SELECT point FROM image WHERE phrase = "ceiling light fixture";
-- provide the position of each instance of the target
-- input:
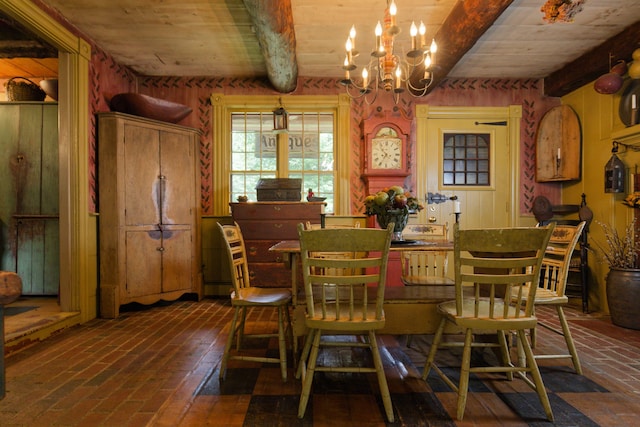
(386, 70)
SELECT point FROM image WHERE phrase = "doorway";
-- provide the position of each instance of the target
(77, 226)
(487, 192)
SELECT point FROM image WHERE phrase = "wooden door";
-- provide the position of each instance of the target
(141, 175)
(177, 271)
(482, 204)
(176, 166)
(143, 260)
(29, 194)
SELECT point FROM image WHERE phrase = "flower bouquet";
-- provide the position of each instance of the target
(392, 205)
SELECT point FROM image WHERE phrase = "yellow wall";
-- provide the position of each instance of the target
(601, 125)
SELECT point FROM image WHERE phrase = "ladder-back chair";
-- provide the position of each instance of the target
(344, 296)
(245, 296)
(553, 284)
(492, 267)
(420, 268)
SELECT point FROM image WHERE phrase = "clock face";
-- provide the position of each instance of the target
(386, 153)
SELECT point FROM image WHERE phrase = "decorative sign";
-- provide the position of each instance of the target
(307, 143)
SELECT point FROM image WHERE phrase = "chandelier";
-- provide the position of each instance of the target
(386, 70)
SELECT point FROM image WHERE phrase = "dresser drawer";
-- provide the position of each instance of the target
(305, 211)
(258, 251)
(269, 275)
(275, 229)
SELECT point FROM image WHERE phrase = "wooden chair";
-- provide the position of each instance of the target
(346, 303)
(423, 268)
(491, 268)
(552, 286)
(245, 296)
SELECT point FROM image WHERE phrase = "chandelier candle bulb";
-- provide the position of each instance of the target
(365, 78)
(423, 30)
(456, 206)
(352, 37)
(393, 10)
(433, 49)
(414, 32)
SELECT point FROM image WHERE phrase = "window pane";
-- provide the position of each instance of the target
(464, 155)
(309, 150)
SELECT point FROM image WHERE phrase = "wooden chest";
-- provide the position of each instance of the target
(279, 189)
(264, 224)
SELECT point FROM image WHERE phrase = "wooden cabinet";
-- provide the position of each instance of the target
(264, 224)
(149, 211)
(29, 226)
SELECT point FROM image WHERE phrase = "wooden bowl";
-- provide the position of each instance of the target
(50, 87)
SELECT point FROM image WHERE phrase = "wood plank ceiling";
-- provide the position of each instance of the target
(283, 39)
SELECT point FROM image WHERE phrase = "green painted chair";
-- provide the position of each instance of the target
(245, 296)
(552, 287)
(344, 297)
(492, 269)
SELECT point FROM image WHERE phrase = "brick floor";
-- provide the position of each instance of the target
(158, 367)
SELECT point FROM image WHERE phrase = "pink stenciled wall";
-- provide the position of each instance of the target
(107, 78)
(195, 92)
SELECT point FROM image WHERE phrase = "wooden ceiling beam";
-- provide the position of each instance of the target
(594, 63)
(466, 23)
(273, 23)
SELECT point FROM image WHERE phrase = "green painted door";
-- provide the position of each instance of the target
(29, 193)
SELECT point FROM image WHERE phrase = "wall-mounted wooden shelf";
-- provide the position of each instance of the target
(558, 146)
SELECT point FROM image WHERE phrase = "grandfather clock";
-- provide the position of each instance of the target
(385, 141)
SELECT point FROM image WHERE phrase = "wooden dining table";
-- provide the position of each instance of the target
(408, 309)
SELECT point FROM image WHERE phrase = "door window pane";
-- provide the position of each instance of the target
(466, 159)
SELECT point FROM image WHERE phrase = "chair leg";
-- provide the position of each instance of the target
(282, 342)
(292, 339)
(382, 379)
(504, 351)
(569, 340)
(308, 380)
(535, 374)
(228, 344)
(434, 349)
(463, 386)
(302, 363)
(240, 335)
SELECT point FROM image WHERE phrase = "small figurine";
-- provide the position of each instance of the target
(310, 195)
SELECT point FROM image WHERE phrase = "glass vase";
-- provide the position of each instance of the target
(399, 217)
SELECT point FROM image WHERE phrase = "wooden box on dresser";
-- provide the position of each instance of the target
(264, 224)
(149, 223)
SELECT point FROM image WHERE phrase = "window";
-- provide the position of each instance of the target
(309, 148)
(245, 147)
(466, 159)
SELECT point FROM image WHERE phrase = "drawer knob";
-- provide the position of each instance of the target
(277, 225)
(253, 250)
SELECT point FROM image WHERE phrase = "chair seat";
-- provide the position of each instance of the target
(547, 297)
(330, 323)
(482, 321)
(426, 281)
(261, 296)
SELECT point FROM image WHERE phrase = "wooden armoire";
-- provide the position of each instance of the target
(149, 204)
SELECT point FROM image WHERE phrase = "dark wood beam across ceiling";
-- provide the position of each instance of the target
(273, 23)
(467, 22)
(594, 63)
